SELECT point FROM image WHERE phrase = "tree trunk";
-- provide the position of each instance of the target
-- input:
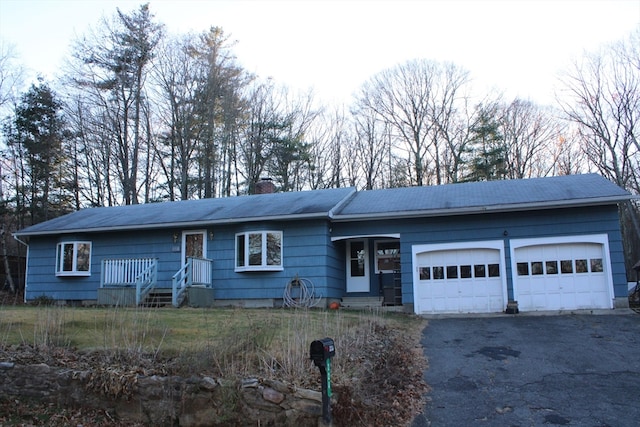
(7, 266)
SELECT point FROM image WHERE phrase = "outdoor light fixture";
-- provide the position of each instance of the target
(175, 237)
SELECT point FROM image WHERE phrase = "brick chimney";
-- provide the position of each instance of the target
(265, 186)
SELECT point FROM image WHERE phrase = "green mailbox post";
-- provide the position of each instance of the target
(321, 352)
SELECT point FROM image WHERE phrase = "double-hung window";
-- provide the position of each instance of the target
(73, 259)
(259, 250)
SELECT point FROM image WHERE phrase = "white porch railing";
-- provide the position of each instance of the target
(124, 272)
(196, 272)
(139, 272)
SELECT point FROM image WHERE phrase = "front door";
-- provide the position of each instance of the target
(194, 244)
(357, 266)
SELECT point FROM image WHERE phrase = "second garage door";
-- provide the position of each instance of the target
(459, 280)
(562, 275)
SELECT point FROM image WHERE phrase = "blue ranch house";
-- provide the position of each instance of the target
(542, 244)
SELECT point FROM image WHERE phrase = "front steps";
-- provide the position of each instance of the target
(361, 302)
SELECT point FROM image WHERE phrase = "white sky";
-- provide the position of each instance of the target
(516, 46)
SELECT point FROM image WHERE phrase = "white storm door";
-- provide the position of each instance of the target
(357, 266)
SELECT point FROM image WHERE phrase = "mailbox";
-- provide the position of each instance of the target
(322, 350)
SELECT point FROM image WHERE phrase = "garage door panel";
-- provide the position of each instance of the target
(450, 282)
(571, 276)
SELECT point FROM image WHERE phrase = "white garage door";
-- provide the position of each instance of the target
(562, 276)
(466, 280)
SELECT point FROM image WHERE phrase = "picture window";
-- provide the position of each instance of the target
(260, 250)
(73, 259)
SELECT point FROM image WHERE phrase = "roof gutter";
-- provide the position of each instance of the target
(484, 209)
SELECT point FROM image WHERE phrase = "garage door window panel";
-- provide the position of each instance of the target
(596, 265)
(438, 273)
(523, 269)
(465, 271)
(566, 266)
(479, 270)
(551, 267)
(536, 268)
(425, 273)
(494, 270)
(452, 272)
(581, 266)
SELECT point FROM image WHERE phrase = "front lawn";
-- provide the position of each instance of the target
(378, 363)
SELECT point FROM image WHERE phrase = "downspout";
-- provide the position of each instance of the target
(16, 238)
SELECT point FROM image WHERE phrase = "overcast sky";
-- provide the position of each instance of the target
(333, 46)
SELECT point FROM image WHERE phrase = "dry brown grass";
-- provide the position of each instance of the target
(377, 371)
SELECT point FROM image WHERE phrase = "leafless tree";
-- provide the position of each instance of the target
(602, 97)
(11, 74)
(371, 149)
(112, 65)
(530, 133)
(419, 100)
(327, 138)
(176, 84)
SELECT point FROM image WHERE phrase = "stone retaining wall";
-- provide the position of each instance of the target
(166, 401)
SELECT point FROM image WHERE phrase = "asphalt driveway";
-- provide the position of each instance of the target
(575, 370)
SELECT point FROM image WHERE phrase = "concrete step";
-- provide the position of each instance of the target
(361, 302)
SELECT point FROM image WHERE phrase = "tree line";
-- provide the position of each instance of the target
(144, 116)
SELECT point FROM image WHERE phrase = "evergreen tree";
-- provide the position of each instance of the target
(36, 134)
(487, 149)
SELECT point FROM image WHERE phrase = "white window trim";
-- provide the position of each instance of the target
(263, 265)
(60, 259)
(377, 256)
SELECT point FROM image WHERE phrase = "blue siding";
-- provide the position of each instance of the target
(309, 253)
(41, 278)
(306, 249)
(546, 223)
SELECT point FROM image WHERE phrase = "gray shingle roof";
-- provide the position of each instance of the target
(346, 204)
(475, 197)
(301, 204)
